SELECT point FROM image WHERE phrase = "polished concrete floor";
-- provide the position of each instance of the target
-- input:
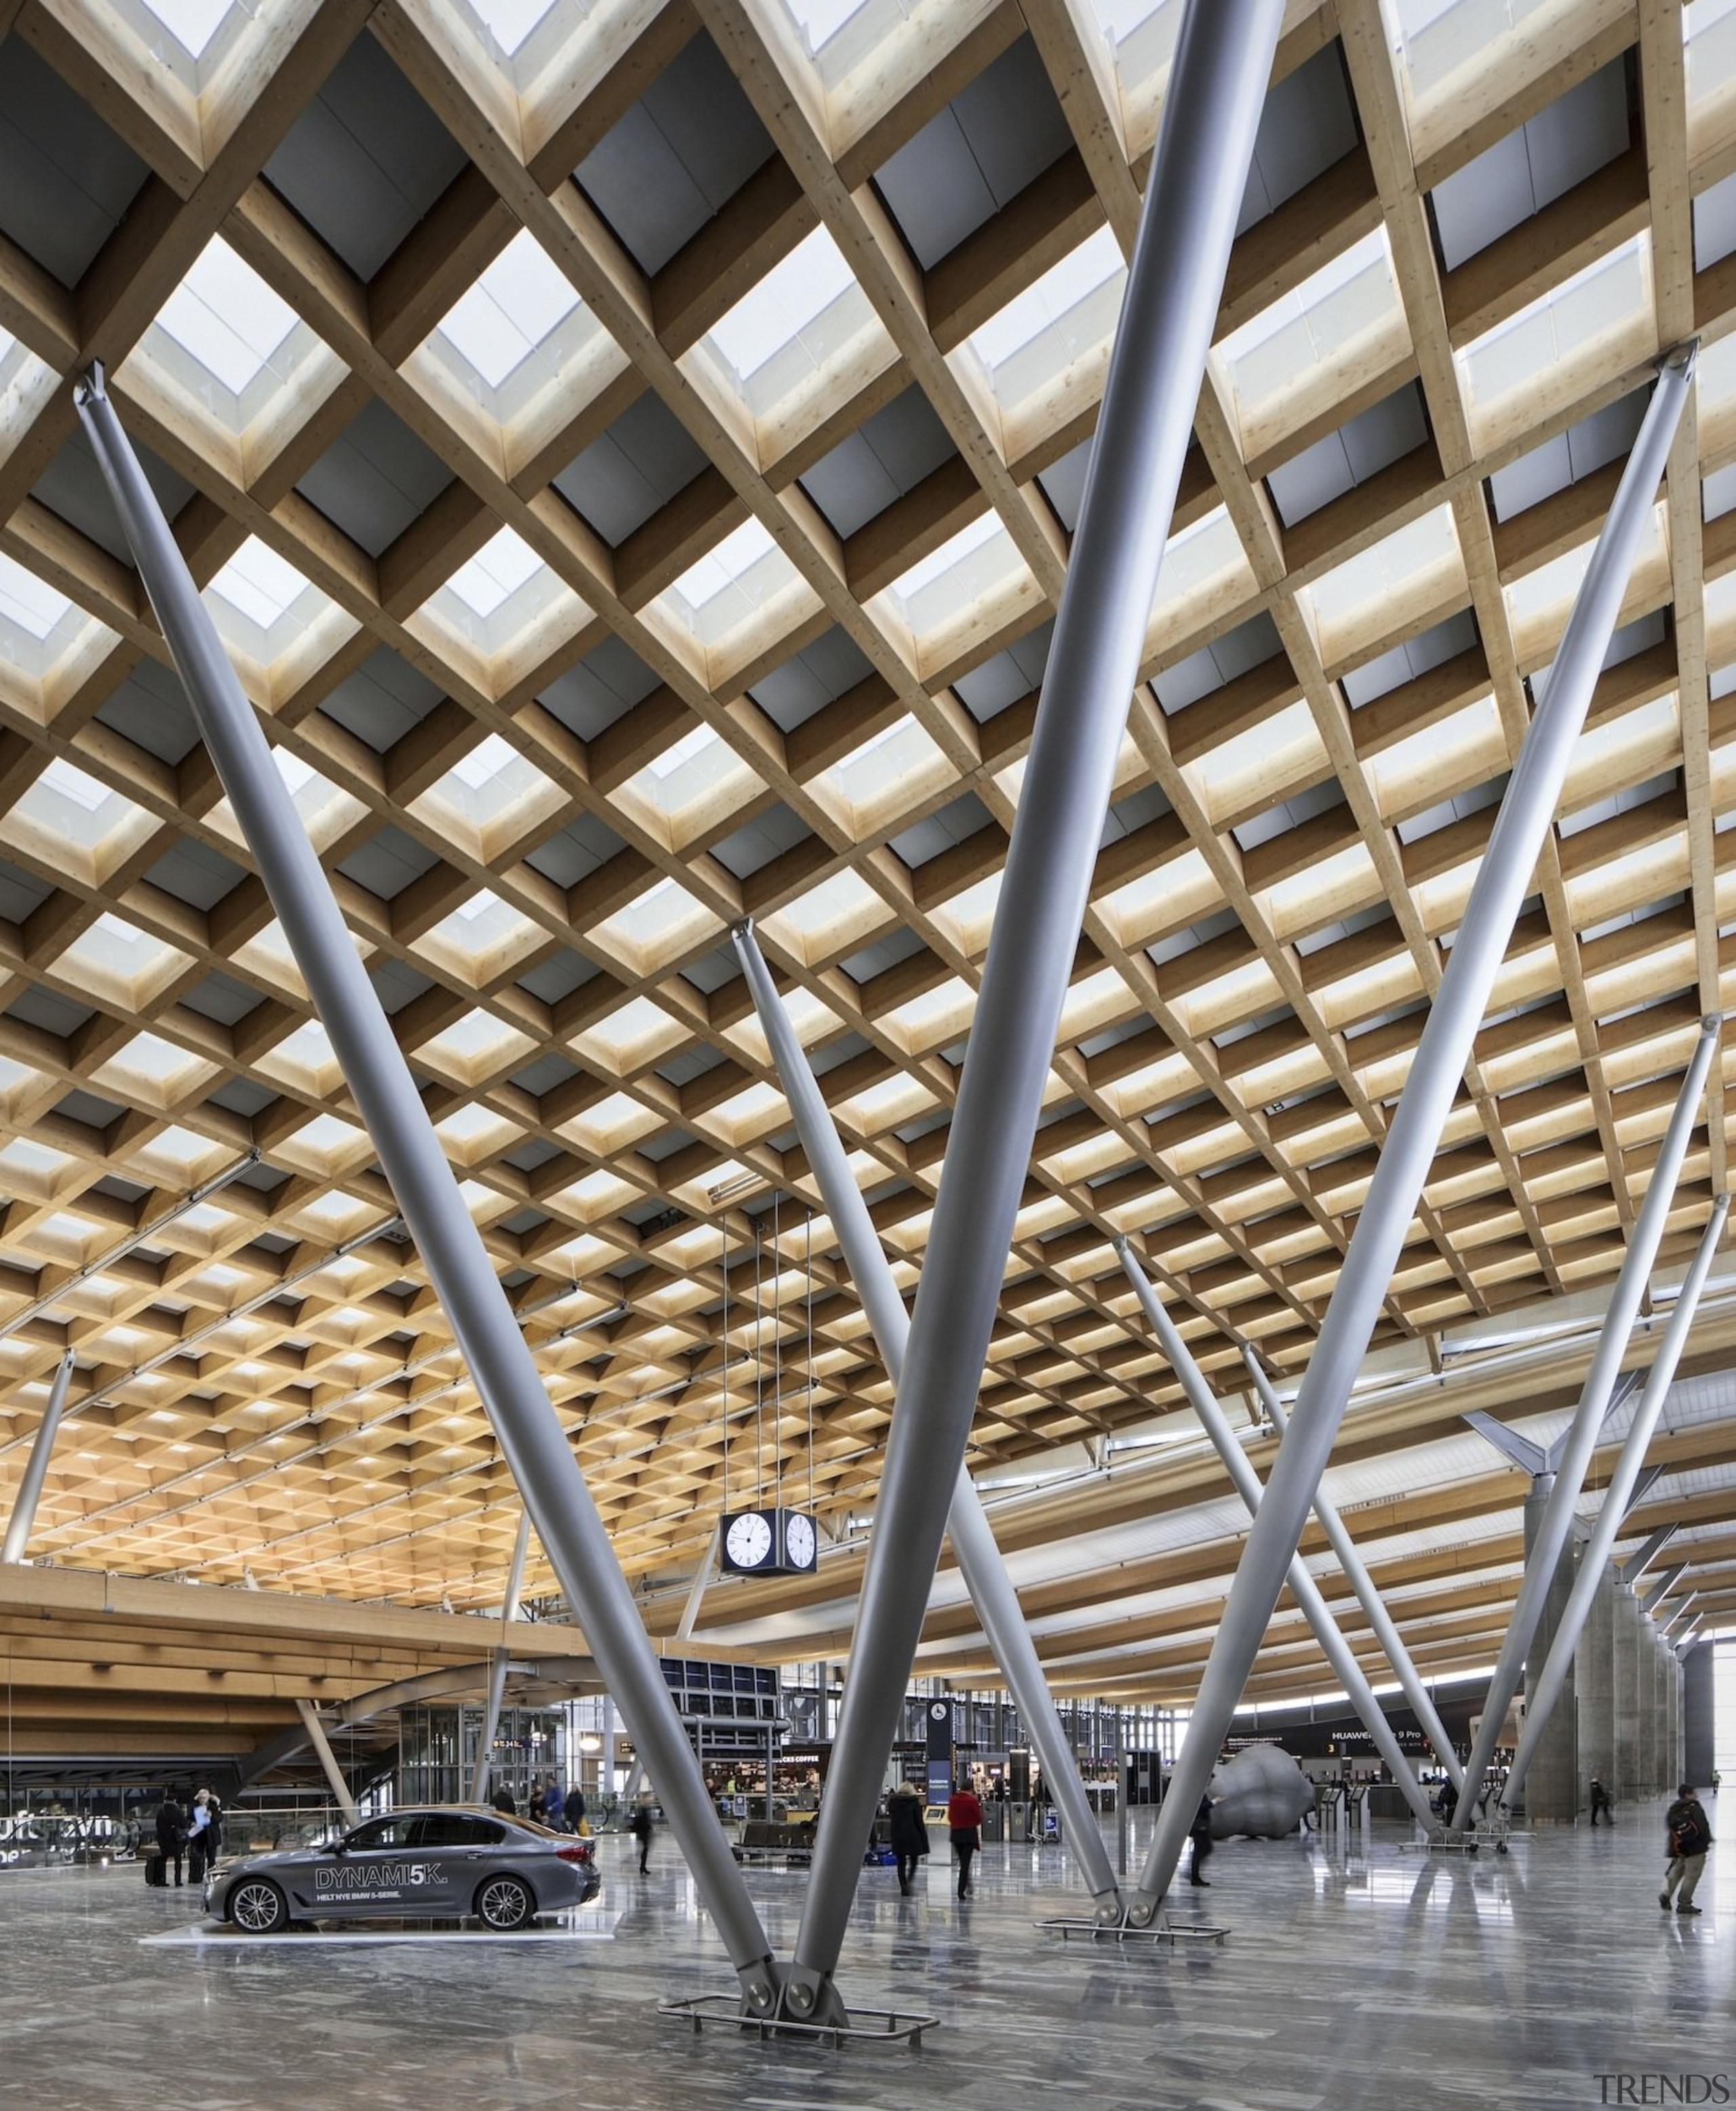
(1347, 1980)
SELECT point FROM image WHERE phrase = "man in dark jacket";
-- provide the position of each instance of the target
(1200, 1833)
(171, 1834)
(1690, 1836)
(1600, 1804)
(909, 1836)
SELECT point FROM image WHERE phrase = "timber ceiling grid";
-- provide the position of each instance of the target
(631, 452)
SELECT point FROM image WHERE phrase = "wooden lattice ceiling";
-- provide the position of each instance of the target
(578, 647)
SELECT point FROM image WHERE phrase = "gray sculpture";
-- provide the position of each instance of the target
(1261, 1791)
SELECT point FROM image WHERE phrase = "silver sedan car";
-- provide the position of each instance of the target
(445, 1862)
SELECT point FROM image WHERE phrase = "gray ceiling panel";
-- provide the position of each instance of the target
(582, 845)
(1308, 122)
(221, 997)
(1382, 434)
(1249, 644)
(1571, 139)
(557, 977)
(604, 685)
(677, 157)
(808, 681)
(195, 874)
(644, 459)
(1063, 483)
(890, 454)
(1603, 437)
(1012, 121)
(1013, 672)
(375, 479)
(1416, 656)
(150, 709)
(388, 862)
(66, 180)
(365, 160)
(72, 486)
(20, 894)
(384, 699)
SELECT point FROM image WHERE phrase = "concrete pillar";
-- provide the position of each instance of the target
(1594, 1673)
(1629, 1712)
(1551, 1788)
(1674, 1772)
(1649, 1753)
(1699, 1754)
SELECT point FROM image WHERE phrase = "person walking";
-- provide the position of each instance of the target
(1690, 1836)
(554, 1806)
(1600, 1802)
(1448, 1799)
(575, 1811)
(1200, 1833)
(171, 1835)
(964, 1823)
(642, 1829)
(909, 1836)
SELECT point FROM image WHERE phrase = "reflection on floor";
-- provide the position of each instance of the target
(1348, 1981)
(583, 1925)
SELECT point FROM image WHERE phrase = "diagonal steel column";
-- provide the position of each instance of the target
(1594, 1556)
(1436, 1071)
(502, 1658)
(328, 1758)
(1632, 1570)
(1304, 1588)
(1356, 1575)
(1665, 1626)
(980, 1558)
(36, 1468)
(531, 1439)
(1557, 1519)
(1216, 90)
(1663, 1586)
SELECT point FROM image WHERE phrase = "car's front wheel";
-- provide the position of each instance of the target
(504, 1903)
(258, 1907)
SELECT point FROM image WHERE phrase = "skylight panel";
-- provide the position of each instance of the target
(783, 304)
(1598, 319)
(28, 602)
(979, 565)
(1335, 317)
(503, 564)
(511, 22)
(1709, 30)
(733, 584)
(259, 585)
(1438, 36)
(226, 316)
(192, 23)
(511, 310)
(1069, 313)
(1416, 567)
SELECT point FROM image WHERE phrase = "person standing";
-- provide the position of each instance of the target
(504, 1802)
(575, 1811)
(1200, 1833)
(171, 1834)
(554, 1806)
(909, 1836)
(642, 1829)
(1600, 1802)
(1690, 1836)
(199, 1855)
(964, 1823)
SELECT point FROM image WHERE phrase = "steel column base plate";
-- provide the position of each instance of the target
(1162, 1930)
(872, 2025)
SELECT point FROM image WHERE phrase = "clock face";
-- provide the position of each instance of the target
(749, 1542)
(798, 1542)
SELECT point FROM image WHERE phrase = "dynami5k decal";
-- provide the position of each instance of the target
(347, 1876)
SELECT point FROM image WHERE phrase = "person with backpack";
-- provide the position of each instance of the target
(1600, 1803)
(1690, 1836)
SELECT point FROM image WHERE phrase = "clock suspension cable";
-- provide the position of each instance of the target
(724, 1511)
(759, 1366)
(807, 1274)
(777, 1350)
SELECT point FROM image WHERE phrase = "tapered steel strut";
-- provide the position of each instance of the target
(502, 1658)
(1384, 1221)
(328, 1758)
(1304, 1588)
(979, 1560)
(1594, 1555)
(1212, 110)
(1356, 1575)
(36, 1468)
(531, 1439)
(1556, 1522)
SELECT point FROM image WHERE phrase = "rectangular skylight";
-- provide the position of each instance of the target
(192, 23)
(259, 585)
(33, 605)
(1439, 37)
(1334, 318)
(1417, 566)
(783, 303)
(511, 22)
(733, 583)
(1068, 314)
(513, 308)
(1594, 320)
(503, 565)
(1709, 29)
(226, 317)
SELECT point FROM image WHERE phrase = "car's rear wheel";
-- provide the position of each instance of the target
(504, 1903)
(259, 1907)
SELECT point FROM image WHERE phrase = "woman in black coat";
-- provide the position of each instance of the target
(909, 1836)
